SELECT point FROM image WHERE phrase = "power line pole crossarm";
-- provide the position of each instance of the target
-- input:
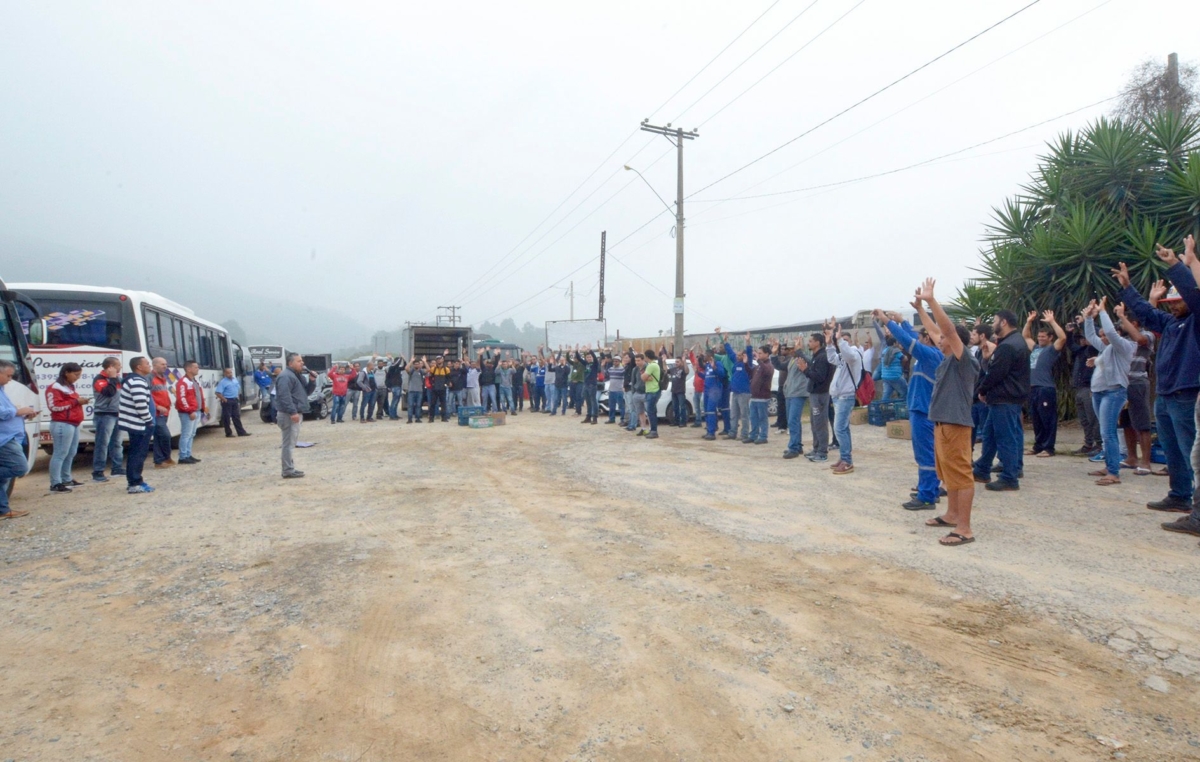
(677, 135)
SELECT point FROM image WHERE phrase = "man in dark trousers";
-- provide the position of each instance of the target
(1004, 388)
(228, 392)
(820, 374)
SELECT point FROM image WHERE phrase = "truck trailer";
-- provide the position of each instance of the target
(432, 340)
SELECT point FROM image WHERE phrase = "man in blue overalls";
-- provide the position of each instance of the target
(926, 358)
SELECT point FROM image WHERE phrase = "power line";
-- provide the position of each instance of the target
(916, 102)
(781, 63)
(919, 163)
(747, 59)
(858, 103)
(714, 59)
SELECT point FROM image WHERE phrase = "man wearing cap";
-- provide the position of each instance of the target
(1178, 376)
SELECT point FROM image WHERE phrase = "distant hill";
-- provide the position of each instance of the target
(301, 326)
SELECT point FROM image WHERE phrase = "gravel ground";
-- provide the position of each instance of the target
(550, 591)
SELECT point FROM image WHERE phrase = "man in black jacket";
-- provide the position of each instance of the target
(394, 379)
(1004, 388)
(820, 374)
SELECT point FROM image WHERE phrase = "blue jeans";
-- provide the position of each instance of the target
(564, 399)
(922, 445)
(616, 401)
(66, 445)
(455, 400)
(12, 466)
(1003, 436)
(339, 409)
(841, 427)
(162, 439)
(652, 410)
(1108, 408)
(978, 419)
(187, 433)
(394, 403)
(108, 445)
(139, 446)
(698, 406)
(577, 396)
(1175, 416)
(536, 395)
(795, 409)
(589, 398)
(507, 404)
(414, 404)
(679, 408)
(366, 409)
(551, 399)
(895, 385)
(758, 420)
(489, 398)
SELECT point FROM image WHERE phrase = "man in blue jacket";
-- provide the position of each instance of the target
(715, 382)
(739, 386)
(925, 360)
(1177, 366)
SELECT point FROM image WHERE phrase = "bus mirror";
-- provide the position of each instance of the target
(37, 332)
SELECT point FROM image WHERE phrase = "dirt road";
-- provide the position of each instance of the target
(551, 591)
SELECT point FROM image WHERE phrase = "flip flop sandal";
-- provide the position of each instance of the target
(1163, 472)
(1097, 473)
(1139, 471)
(1107, 481)
(960, 540)
(1045, 455)
(938, 521)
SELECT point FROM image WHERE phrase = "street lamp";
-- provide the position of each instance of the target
(651, 187)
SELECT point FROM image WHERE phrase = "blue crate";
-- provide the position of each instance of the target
(901, 411)
(880, 412)
(465, 413)
(1157, 455)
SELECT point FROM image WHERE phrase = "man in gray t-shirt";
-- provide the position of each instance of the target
(950, 411)
(1043, 396)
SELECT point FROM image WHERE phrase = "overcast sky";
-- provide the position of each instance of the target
(383, 156)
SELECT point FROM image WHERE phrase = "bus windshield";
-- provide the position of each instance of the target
(98, 320)
(10, 347)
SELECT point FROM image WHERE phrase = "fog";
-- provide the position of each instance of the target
(346, 167)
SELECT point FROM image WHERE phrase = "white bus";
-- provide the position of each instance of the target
(22, 391)
(85, 324)
(271, 354)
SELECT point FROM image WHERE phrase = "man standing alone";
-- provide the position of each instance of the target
(227, 392)
(291, 399)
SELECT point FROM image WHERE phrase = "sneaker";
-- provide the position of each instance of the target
(188, 461)
(843, 468)
(14, 514)
(99, 478)
(1097, 458)
(612, 421)
(709, 437)
(1185, 525)
(652, 435)
(1002, 486)
(997, 469)
(60, 488)
(139, 489)
(982, 479)
(747, 441)
(1171, 504)
(120, 472)
(74, 483)
(760, 441)
(918, 505)
(165, 464)
(789, 454)
(817, 457)
(839, 462)
(641, 432)
(294, 475)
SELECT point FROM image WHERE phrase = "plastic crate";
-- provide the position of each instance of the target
(481, 422)
(901, 411)
(466, 413)
(879, 413)
(1157, 455)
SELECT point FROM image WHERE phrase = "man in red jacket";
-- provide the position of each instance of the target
(189, 401)
(340, 377)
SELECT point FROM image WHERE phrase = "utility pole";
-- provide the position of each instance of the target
(1174, 100)
(452, 318)
(572, 294)
(603, 233)
(676, 135)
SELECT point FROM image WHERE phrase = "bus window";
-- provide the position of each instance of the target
(206, 350)
(223, 346)
(9, 347)
(99, 320)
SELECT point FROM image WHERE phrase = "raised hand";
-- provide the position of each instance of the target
(1103, 305)
(925, 293)
(1121, 273)
(879, 315)
(1120, 310)
(1048, 316)
(1189, 250)
(1166, 255)
(1158, 290)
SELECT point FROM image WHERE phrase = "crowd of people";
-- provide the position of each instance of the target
(963, 386)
